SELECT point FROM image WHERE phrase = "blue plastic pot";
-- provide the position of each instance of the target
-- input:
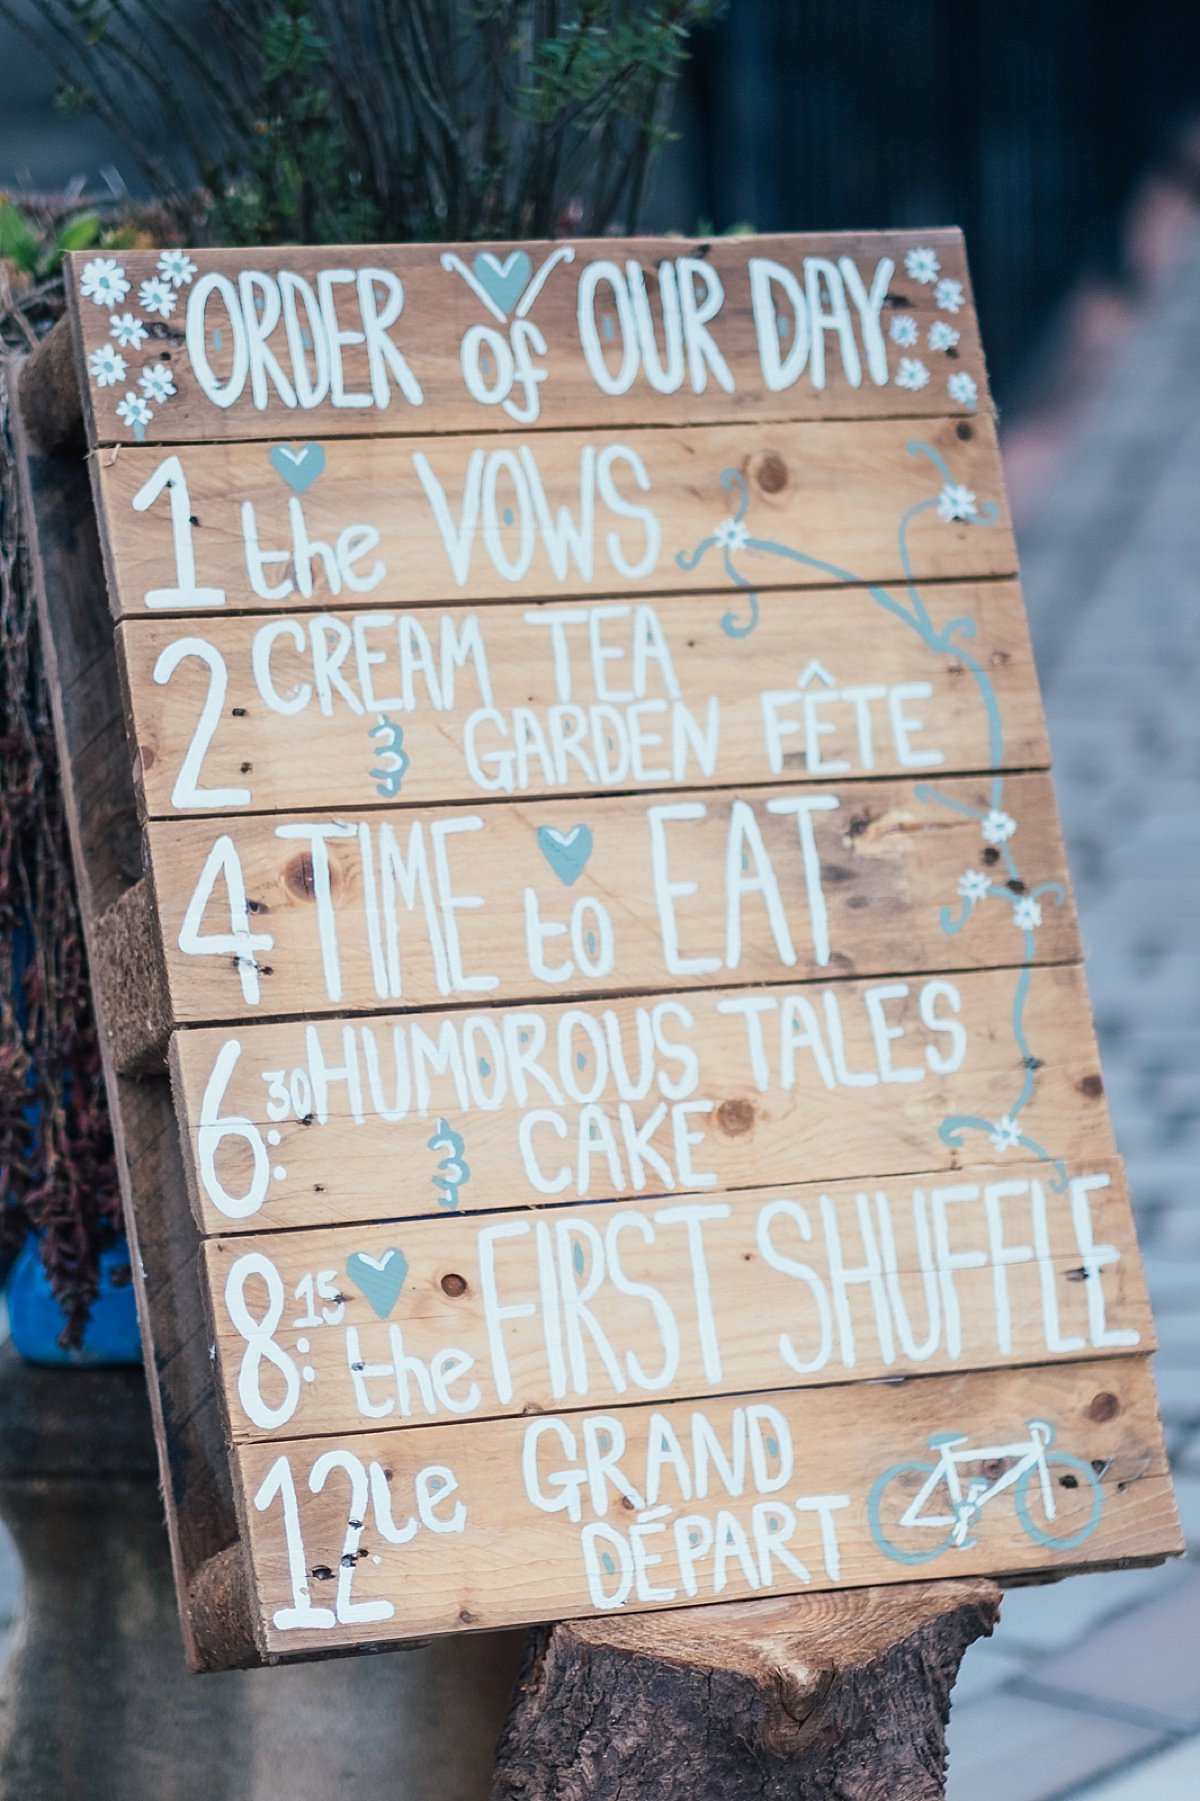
(35, 1318)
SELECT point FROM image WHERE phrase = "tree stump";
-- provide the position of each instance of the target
(829, 1697)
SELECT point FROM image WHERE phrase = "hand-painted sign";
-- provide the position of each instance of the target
(611, 932)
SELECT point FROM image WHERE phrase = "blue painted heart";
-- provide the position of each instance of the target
(299, 466)
(505, 281)
(566, 852)
(378, 1279)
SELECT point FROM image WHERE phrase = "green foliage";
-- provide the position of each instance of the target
(39, 254)
(283, 121)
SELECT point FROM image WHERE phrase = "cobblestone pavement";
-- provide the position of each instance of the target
(1090, 1688)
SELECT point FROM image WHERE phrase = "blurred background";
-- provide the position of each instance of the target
(1065, 140)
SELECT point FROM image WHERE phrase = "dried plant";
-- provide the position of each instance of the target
(56, 1165)
(277, 121)
(265, 121)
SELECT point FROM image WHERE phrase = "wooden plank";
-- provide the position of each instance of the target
(524, 900)
(548, 334)
(743, 1084)
(519, 1313)
(831, 1471)
(311, 1123)
(832, 688)
(105, 843)
(554, 515)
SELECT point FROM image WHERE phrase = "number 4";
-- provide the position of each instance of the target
(239, 942)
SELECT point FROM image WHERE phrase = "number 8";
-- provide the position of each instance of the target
(260, 1341)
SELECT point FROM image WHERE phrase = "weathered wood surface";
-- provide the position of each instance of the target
(261, 358)
(812, 943)
(81, 670)
(129, 974)
(553, 515)
(824, 1464)
(832, 688)
(526, 900)
(392, 1324)
(839, 1697)
(312, 1124)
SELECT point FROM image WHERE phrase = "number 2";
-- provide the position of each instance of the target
(187, 791)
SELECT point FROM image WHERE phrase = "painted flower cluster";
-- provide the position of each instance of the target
(105, 283)
(922, 266)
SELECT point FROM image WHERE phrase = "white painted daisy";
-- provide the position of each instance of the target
(1026, 913)
(176, 268)
(107, 366)
(956, 502)
(997, 826)
(949, 295)
(1005, 1134)
(730, 534)
(962, 387)
(134, 411)
(942, 335)
(903, 330)
(974, 885)
(922, 265)
(128, 331)
(912, 373)
(103, 281)
(157, 297)
(157, 381)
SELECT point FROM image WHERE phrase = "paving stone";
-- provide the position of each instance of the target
(1179, 1342)
(1174, 1282)
(1179, 1396)
(1143, 1663)
(1159, 1182)
(10, 1591)
(1188, 1455)
(985, 1669)
(1187, 1498)
(1170, 1775)
(1109, 567)
(1055, 1615)
(1009, 1747)
(10, 1578)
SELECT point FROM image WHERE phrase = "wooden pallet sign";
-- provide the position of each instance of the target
(561, 787)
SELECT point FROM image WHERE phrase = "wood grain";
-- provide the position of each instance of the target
(440, 309)
(834, 490)
(76, 638)
(512, 1562)
(478, 1036)
(779, 1296)
(321, 754)
(628, 893)
(840, 1697)
(742, 1079)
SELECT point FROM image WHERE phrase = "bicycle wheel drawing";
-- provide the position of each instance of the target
(1076, 1488)
(891, 1496)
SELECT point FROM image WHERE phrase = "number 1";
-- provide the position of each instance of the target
(280, 1481)
(186, 594)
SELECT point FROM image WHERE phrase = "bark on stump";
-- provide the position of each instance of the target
(830, 1697)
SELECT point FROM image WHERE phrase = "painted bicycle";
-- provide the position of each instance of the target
(948, 1499)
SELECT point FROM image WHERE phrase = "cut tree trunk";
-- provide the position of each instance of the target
(830, 1697)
